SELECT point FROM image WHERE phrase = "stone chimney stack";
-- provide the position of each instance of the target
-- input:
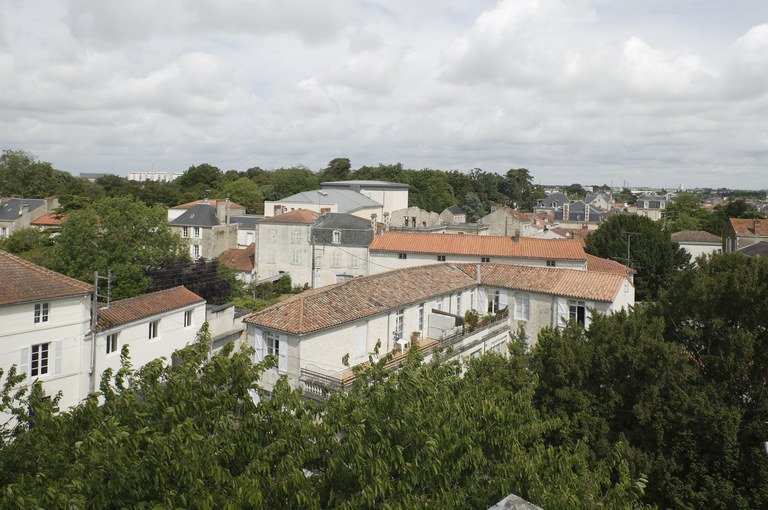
(586, 212)
(517, 235)
(566, 211)
(386, 221)
(222, 211)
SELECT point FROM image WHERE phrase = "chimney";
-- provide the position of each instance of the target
(566, 211)
(222, 208)
(386, 221)
(478, 274)
(517, 235)
(586, 212)
(24, 211)
(373, 221)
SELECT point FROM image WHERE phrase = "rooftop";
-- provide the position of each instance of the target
(363, 184)
(241, 259)
(696, 236)
(212, 201)
(50, 220)
(482, 246)
(147, 305)
(749, 227)
(346, 200)
(10, 210)
(368, 296)
(199, 215)
(22, 281)
(301, 216)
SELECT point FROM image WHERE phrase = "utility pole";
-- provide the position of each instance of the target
(95, 320)
(629, 244)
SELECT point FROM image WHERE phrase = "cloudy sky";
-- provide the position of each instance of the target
(647, 92)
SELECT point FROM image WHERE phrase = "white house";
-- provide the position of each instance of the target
(394, 250)
(698, 242)
(44, 318)
(391, 195)
(151, 325)
(283, 246)
(423, 307)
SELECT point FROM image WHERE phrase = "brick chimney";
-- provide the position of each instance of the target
(517, 235)
(586, 212)
(566, 212)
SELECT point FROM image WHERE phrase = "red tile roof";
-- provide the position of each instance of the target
(50, 220)
(241, 259)
(376, 294)
(22, 281)
(749, 227)
(600, 265)
(147, 305)
(212, 201)
(298, 216)
(484, 246)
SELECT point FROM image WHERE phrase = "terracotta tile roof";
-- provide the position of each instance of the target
(22, 281)
(485, 246)
(212, 201)
(241, 259)
(696, 236)
(749, 227)
(50, 220)
(600, 265)
(376, 294)
(147, 305)
(297, 216)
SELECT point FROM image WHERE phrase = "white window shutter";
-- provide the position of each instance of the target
(482, 301)
(562, 312)
(360, 340)
(58, 358)
(588, 305)
(503, 299)
(24, 361)
(259, 344)
(282, 364)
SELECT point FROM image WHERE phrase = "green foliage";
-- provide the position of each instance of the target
(200, 178)
(284, 284)
(121, 234)
(653, 254)
(430, 190)
(575, 192)
(684, 212)
(29, 243)
(243, 191)
(338, 169)
(21, 174)
(207, 278)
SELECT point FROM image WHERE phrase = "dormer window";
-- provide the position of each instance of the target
(337, 237)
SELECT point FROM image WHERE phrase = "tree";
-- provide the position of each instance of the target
(243, 191)
(21, 174)
(651, 251)
(684, 212)
(199, 178)
(285, 182)
(430, 190)
(29, 243)
(575, 191)
(518, 186)
(338, 169)
(121, 234)
(191, 434)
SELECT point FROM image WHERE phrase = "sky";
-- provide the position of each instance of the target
(636, 92)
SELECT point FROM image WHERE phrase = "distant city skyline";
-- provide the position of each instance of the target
(653, 93)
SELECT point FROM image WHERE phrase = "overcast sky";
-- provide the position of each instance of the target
(647, 92)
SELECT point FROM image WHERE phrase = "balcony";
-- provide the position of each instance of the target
(317, 383)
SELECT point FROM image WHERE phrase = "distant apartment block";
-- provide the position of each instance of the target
(154, 176)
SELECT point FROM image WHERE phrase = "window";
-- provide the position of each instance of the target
(111, 343)
(421, 318)
(577, 310)
(336, 236)
(184, 232)
(336, 259)
(399, 321)
(522, 306)
(41, 312)
(485, 259)
(441, 258)
(39, 362)
(551, 263)
(472, 300)
(295, 236)
(187, 318)
(402, 255)
(196, 232)
(493, 301)
(195, 251)
(439, 303)
(458, 303)
(343, 277)
(273, 344)
(270, 254)
(352, 260)
(295, 255)
(153, 329)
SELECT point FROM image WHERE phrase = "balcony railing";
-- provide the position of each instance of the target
(318, 383)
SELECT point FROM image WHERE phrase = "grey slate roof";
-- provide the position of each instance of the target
(759, 249)
(200, 215)
(247, 222)
(455, 209)
(346, 200)
(550, 200)
(10, 210)
(356, 185)
(576, 212)
(354, 231)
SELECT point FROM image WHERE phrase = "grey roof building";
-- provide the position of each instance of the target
(346, 201)
(18, 213)
(206, 229)
(200, 215)
(342, 230)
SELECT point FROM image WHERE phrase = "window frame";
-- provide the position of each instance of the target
(197, 233)
(399, 324)
(153, 332)
(577, 310)
(110, 343)
(185, 232)
(522, 306)
(441, 258)
(485, 259)
(187, 318)
(43, 361)
(402, 256)
(494, 301)
(551, 263)
(336, 237)
(41, 312)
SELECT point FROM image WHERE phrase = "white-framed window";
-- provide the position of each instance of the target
(493, 301)
(551, 263)
(295, 235)
(295, 256)
(336, 259)
(336, 237)
(577, 310)
(3, 232)
(197, 232)
(352, 260)
(421, 318)
(111, 343)
(39, 359)
(399, 323)
(485, 259)
(185, 232)
(187, 318)
(458, 303)
(277, 345)
(522, 306)
(153, 328)
(41, 312)
(441, 258)
(439, 303)
(270, 254)
(402, 256)
(195, 251)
